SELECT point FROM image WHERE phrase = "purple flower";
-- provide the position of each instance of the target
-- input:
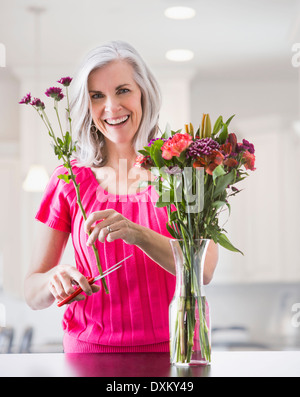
(246, 145)
(26, 99)
(202, 147)
(55, 93)
(38, 103)
(65, 81)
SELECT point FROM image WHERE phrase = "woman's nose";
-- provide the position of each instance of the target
(112, 104)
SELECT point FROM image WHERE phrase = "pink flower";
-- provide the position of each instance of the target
(26, 99)
(55, 93)
(176, 145)
(38, 103)
(65, 81)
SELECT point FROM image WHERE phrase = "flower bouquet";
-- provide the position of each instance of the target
(63, 145)
(195, 174)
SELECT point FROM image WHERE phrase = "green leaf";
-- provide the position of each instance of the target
(218, 204)
(229, 120)
(144, 152)
(157, 157)
(65, 177)
(223, 134)
(218, 171)
(167, 133)
(160, 203)
(224, 242)
(222, 182)
(218, 125)
(171, 231)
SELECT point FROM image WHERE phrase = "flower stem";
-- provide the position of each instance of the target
(76, 185)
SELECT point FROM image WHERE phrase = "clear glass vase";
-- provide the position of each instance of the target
(189, 321)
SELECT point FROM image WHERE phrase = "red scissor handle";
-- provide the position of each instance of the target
(75, 293)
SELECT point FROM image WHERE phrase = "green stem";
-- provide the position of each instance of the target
(68, 110)
(96, 253)
(58, 118)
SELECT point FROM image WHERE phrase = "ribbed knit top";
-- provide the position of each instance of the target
(134, 315)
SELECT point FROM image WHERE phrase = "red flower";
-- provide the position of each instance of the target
(232, 140)
(230, 162)
(143, 161)
(176, 145)
(209, 162)
(226, 148)
(249, 159)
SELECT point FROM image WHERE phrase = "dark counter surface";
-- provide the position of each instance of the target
(154, 365)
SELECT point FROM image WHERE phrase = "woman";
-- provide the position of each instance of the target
(115, 108)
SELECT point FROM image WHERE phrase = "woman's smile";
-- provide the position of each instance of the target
(117, 121)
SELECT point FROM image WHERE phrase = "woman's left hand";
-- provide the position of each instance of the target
(111, 225)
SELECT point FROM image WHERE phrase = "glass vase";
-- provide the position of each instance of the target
(189, 321)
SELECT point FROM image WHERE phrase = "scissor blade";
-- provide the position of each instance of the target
(111, 269)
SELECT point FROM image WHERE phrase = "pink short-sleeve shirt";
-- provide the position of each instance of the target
(133, 317)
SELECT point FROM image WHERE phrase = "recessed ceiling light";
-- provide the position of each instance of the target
(179, 55)
(180, 12)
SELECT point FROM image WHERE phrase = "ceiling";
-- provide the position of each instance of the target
(224, 34)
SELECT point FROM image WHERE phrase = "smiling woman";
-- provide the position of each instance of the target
(114, 110)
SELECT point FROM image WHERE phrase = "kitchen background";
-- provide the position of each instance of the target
(245, 63)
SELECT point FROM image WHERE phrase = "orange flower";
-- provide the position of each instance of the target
(249, 159)
(230, 162)
(209, 162)
(226, 148)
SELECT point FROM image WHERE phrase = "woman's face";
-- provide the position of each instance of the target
(115, 101)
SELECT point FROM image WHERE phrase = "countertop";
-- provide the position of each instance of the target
(150, 365)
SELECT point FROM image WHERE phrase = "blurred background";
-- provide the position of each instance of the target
(242, 59)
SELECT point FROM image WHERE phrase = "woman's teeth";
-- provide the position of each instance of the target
(117, 121)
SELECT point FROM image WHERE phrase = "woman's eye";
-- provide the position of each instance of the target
(123, 91)
(97, 96)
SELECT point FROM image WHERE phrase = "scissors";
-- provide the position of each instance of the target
(91, 281)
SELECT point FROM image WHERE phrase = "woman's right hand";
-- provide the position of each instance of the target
(63, 279)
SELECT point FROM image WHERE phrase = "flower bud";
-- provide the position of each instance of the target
(205, 130)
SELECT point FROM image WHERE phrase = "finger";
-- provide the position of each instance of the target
(82, 281)
(101, 229)
(94, 234)
(96, 216)
(119, 230)
(66, 282)
(56, 288)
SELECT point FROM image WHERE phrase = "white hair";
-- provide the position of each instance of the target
(90, 141)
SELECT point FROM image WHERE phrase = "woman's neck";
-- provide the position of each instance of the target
(120, 154)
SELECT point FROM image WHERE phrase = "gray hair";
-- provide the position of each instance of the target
(90, 141)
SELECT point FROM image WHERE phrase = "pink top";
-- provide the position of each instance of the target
(134, 315)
